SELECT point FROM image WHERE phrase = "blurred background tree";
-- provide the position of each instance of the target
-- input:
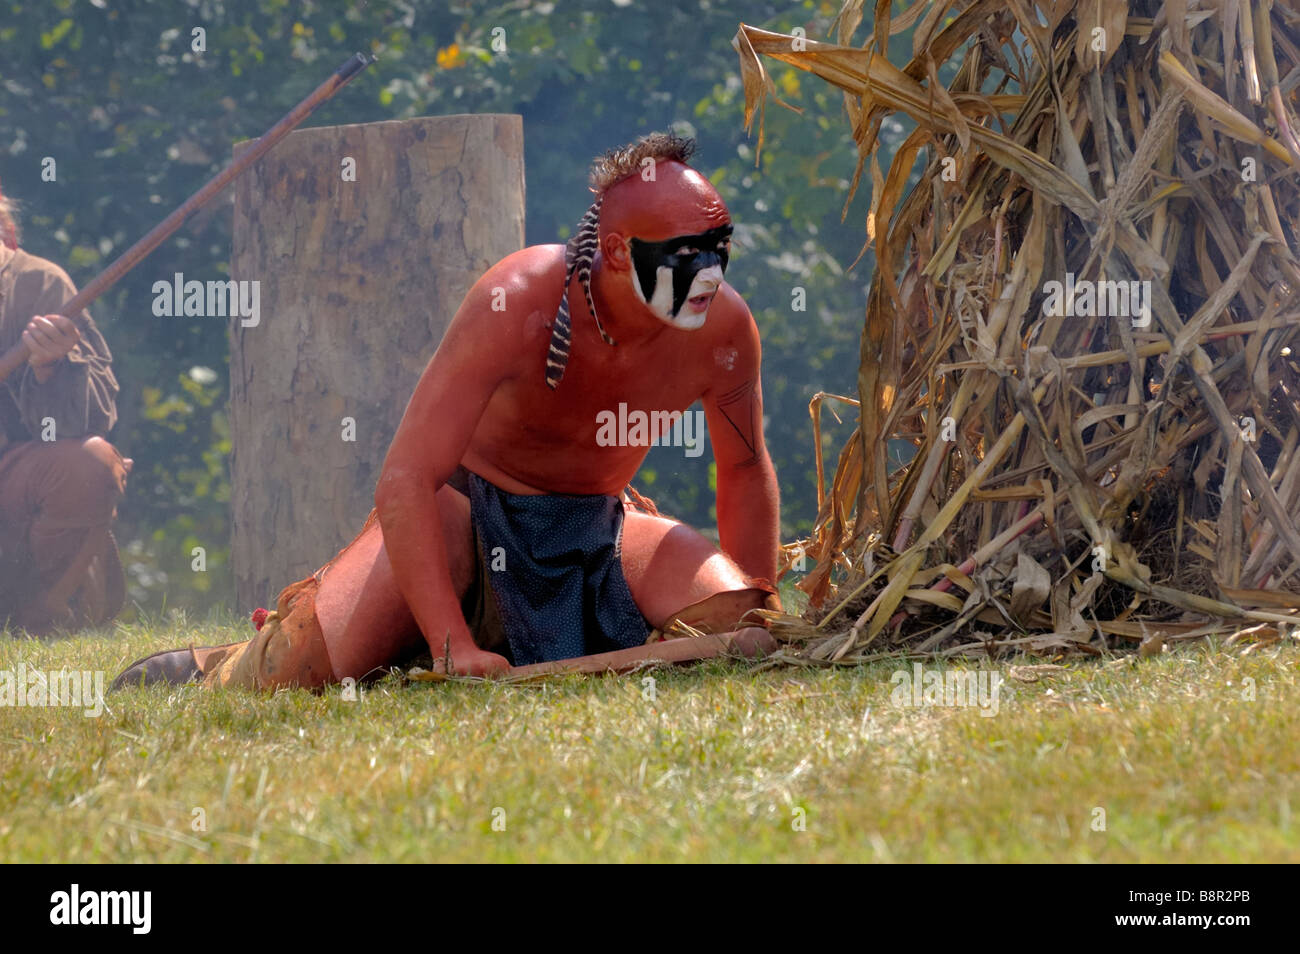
(136, 119)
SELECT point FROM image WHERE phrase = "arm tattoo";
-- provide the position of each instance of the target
(740, 407)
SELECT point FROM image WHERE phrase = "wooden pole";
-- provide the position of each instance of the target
(748, 643)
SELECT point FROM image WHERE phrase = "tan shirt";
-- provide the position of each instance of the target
(81, 394)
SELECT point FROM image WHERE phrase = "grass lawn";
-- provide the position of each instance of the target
(717, 763)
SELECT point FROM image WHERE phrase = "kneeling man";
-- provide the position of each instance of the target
(503, 532)
(60, 480)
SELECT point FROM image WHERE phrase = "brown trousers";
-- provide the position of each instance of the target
(59, 565)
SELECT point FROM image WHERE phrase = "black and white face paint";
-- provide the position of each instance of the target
(678, 277)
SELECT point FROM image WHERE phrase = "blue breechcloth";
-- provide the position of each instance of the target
(561, 592)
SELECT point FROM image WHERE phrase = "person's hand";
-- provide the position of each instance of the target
(49, 338)
(473, 662)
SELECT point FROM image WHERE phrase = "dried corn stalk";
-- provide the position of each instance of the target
(1085, 308)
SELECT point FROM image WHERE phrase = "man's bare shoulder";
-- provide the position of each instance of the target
(505, 319)
(538, 269)
(730, 319)
(520, 292)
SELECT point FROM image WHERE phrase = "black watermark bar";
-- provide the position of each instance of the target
(133, 905)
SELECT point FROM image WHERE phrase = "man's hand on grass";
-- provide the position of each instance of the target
(471, 662)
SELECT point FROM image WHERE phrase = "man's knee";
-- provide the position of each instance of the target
(100, 466)
(669, 566)
(88, 480)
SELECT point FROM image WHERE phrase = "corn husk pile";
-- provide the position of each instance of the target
(1036, 467)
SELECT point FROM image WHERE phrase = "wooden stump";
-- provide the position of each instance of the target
(358, 281)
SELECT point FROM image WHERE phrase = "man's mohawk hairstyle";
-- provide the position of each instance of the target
(580, 251)
(618, 164)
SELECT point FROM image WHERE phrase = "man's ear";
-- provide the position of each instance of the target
(614, 249)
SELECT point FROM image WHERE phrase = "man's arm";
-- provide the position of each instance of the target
(69, 377)
(478, 351)
(748, 499)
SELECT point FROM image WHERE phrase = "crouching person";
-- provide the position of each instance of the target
(60, 480)
(504, 533)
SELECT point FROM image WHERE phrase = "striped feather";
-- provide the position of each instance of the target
(557, 356)
(587, 242)
(579, 254)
